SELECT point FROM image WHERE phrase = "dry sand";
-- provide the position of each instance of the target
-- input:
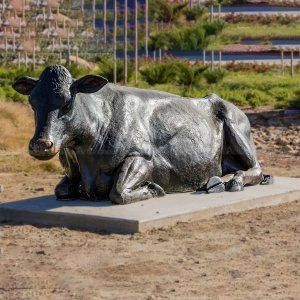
(250, 255)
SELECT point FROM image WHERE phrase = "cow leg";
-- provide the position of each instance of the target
(69, 186)
(132, 183)
(242, 148)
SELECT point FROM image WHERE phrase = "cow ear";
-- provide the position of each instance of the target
(88, 84)
(25, 85)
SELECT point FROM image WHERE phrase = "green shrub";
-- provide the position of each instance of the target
(158, 73)
(214, 76)
(195, 13)
(106, 70)
(189, 75)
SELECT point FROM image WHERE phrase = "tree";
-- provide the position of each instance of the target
(166, 12)
(115, 42)
(125, 42)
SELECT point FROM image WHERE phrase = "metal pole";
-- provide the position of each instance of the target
(125, 42)
(104, 23)
(282, 62)
(69, 48)
(82, 6)
(94, 14)
(292, 63)
(115, 42)
(146, 27)
(220, 59)
(211, 10)
(212, 59)
(203, 56)
(33, 54)
(135, 41)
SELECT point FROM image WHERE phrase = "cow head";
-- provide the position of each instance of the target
(51, 98)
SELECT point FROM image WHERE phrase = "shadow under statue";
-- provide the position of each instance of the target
(129, 144)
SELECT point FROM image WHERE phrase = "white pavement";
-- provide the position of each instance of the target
(149, 214)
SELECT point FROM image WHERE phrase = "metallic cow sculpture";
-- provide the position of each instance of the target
(131, 144)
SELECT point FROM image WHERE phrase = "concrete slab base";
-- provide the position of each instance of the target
(149, 214)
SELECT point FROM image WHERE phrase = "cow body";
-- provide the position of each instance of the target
(131, 144)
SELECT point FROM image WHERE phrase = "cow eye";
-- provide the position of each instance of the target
(66, 107)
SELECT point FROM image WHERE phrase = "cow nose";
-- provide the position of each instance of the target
(40, 145)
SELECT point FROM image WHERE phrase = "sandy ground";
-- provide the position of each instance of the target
(250, 255)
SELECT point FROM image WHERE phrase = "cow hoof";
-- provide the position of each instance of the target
(155, 189)
(215, 185)
(65, 191)
(234, 185)
(267, 179)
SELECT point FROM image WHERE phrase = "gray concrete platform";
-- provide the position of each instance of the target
(149, 214)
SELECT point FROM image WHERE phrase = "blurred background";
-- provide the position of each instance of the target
(248, 52)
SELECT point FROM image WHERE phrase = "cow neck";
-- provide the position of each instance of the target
(93, 116)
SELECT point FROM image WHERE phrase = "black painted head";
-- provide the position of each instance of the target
(52, 97)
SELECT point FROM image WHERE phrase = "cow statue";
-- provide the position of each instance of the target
(131, 144)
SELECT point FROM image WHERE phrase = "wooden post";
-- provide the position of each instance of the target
(212, 59)
(94, 14)
(115, 42)
(53, 43)
(33, 55)
(146, 28)
(104, 23)
(125, 41)
(282, 61)
(69, 48)
(82, 6)
(14, 41)
(26, 59)
(203, 56)
(5, 44)
(136, 41)
(292, 63)
(19, 59)
(77, 54)
(211, 10)
(60, 54)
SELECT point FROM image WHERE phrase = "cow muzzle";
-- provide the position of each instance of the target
(42, 149)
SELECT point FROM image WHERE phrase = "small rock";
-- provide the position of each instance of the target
(41, 189)
(41, 252)
(243, 239)
(1, 188)
(282, 141)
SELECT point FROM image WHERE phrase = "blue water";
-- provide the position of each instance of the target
(110, 4)
(273, 42)
(195, 55)
(254, 8)
(120, 23)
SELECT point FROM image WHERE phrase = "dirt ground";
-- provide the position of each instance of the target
(249, 255)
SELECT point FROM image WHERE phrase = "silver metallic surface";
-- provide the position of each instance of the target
(131, 144)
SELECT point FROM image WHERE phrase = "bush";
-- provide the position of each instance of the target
(195, 13)
(106, 70)
(189, 75)
(159, 73)
(214, 76)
